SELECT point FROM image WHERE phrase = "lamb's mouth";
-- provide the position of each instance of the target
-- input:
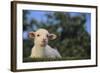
(43, 44)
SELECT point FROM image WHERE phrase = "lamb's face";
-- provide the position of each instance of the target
(41, 37)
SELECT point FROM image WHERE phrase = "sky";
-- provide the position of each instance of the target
(39, 15)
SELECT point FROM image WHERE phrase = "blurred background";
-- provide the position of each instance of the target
(73, 30)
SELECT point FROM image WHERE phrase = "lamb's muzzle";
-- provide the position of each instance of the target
(41, 49)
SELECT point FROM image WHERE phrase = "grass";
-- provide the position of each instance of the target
(51, 59)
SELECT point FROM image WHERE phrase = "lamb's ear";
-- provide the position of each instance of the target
(31, 34)
(52, 36)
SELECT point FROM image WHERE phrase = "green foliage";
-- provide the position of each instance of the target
(73, 41)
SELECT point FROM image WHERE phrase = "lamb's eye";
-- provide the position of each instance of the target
(38, 35)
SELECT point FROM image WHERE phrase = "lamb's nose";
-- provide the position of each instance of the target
(44, 39)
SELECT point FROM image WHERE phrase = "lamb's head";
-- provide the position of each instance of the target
(41, 37)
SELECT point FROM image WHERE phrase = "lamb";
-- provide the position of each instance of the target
(41, 49)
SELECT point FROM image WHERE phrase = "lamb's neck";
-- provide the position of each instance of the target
(38, 51)
(39, 47)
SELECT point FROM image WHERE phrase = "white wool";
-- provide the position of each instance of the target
(51, 53)
(44, 51)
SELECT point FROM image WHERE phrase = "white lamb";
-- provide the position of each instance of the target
(41, 49)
